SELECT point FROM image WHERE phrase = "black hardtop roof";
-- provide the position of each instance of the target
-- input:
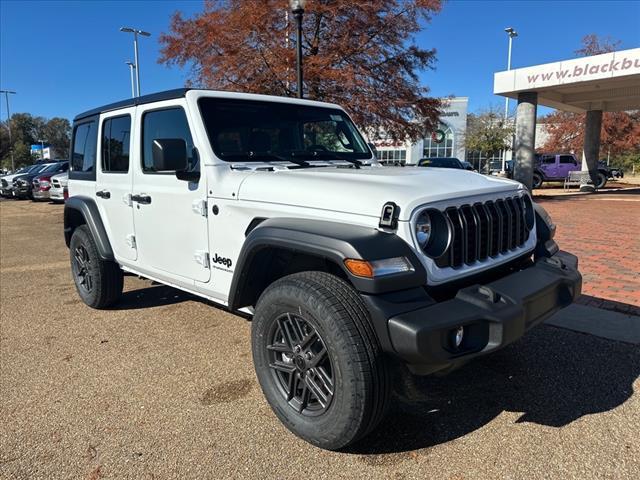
(130, 102)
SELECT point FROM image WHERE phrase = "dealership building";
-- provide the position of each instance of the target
(446, 141)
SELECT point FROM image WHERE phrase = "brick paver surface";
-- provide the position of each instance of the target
(603, 230)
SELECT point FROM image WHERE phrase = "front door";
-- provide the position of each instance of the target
(171, 228)
(549, 167)
(114, 177)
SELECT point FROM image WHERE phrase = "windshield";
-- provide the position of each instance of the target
(441, 163)
(248, 130)
(54, 167)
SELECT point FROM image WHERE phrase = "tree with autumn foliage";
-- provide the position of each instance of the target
(358, 54)
(620, 133)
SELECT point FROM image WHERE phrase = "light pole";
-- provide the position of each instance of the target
(512, 33)
(132, 67)
(6, 97)
(297, 9)
(136, 32)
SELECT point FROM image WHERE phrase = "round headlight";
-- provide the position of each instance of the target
(423, 229)
(433, 232)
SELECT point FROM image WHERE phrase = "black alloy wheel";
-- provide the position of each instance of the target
(301, 365)
(82, 268)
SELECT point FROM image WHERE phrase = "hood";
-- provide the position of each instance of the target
(366, 190)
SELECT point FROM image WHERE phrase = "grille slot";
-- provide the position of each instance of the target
(484, 230)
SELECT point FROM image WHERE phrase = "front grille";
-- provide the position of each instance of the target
(55, 182)
(483, 230)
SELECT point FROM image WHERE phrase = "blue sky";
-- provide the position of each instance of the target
(66, 57)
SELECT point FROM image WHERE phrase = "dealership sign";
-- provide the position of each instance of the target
(608, 65)
(611, 79)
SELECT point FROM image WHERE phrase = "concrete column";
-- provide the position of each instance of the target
(591, 148)
(525, 138)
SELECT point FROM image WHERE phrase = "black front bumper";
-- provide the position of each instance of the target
(493, 315)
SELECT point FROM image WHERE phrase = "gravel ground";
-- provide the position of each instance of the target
(162, 386)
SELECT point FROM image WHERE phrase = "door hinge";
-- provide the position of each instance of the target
(199, 207)
(131, 241)
(202, 258)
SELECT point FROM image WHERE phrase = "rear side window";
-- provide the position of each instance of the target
(83, 153)
(165, 124)
(567, 159)
(115, 144)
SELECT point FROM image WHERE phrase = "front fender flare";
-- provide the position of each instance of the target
(332, 241)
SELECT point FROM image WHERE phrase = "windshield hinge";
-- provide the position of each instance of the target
(199, 207)
(389, 216)
(201, 257)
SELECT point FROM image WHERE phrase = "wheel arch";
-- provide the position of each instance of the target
(80, 210)
(279, 247)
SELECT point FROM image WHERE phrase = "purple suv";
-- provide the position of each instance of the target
(555, 167)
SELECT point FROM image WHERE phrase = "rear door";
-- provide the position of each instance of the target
(566, 164)
(114, 181)
(169, 213)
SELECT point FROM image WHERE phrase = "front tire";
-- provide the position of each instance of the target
(98, 282)
(318, 361)
(537, 180)
(602, 180)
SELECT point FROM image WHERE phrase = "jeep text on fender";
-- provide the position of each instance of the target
(277, 208)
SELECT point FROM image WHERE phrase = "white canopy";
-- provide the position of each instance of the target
(608, 82)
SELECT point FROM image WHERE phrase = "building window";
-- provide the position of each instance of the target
(440, 143)
(392, 157)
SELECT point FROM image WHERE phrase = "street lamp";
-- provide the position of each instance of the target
(512, 33)
(6, 97)
(136, 32)
(297, 8)
(132, 67)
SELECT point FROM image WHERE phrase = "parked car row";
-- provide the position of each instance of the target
(39, 182)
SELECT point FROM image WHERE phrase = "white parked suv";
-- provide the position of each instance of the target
(58, 191)
(276, 208)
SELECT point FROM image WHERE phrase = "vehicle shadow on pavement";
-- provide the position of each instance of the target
(552, 377)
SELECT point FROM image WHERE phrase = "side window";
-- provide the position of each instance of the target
(115, 144)
(568, 159)
(169, 123)
(549, 159)
(83, 155)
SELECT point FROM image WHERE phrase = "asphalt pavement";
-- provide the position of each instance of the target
(162, 386)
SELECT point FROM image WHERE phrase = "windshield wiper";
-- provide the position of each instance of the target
(256, 156)
(315, 154)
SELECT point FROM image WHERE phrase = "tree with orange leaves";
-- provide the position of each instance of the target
(358, 54)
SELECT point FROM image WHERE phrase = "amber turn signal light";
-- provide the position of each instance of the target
(360, 268)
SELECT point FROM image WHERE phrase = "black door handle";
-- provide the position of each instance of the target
(143, 199)
(103, 194)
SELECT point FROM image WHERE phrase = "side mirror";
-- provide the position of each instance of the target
(169, 154)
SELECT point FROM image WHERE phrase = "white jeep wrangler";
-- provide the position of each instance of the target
(277, 208)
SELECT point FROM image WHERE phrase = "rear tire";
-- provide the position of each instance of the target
(98, 282)
(312, 332)
(537, 180)
(602, 180)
